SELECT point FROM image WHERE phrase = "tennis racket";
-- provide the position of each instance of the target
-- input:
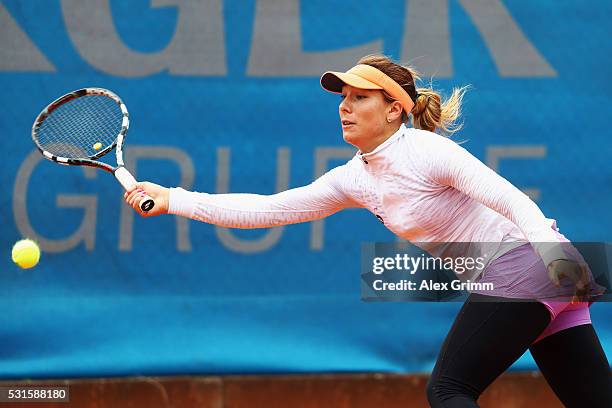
(82, 126)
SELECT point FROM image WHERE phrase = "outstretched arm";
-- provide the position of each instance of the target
(317, 200)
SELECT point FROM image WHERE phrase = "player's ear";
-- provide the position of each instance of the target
(394, 111)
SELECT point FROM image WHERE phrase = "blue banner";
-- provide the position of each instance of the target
(224, 96)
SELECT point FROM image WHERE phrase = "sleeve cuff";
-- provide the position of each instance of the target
(550, 251)
(181, 202)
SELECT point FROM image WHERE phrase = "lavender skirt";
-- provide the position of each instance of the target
(521, 274)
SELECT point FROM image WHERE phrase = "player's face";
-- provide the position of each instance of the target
(363, 114)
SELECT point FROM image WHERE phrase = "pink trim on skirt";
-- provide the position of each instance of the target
(521, 274)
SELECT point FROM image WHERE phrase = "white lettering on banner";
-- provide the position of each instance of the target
(87, 229)
(496, 153)
(277, 50)
(426, 41)
(185, 164)
(17, 51)
(513, 53)
(86, 232)
(272, 235)
(198, 46)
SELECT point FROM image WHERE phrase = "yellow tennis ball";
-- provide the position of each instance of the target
(26, 253)
(97, 146)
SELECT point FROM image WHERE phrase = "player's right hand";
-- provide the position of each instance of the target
(576, 272)
(158, 193)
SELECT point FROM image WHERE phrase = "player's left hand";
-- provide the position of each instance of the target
(576, 272)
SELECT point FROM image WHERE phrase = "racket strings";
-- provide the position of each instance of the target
(81, 128)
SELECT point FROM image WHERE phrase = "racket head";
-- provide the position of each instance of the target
(70, 129)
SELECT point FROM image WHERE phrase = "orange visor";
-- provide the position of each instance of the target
(366, 77)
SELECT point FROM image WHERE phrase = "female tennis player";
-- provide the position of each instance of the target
(427, 188)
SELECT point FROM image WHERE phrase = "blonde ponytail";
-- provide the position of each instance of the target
(433, 114)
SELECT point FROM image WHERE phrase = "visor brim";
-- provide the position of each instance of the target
(334, 81)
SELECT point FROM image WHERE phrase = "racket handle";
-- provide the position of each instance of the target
(128, 182)
(147, 203)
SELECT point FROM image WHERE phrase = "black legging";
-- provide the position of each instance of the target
(488, 336)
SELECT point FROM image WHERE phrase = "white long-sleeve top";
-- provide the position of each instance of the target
(424, 187)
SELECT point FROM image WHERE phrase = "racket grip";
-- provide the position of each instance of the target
(147, 203)
(128, 182)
